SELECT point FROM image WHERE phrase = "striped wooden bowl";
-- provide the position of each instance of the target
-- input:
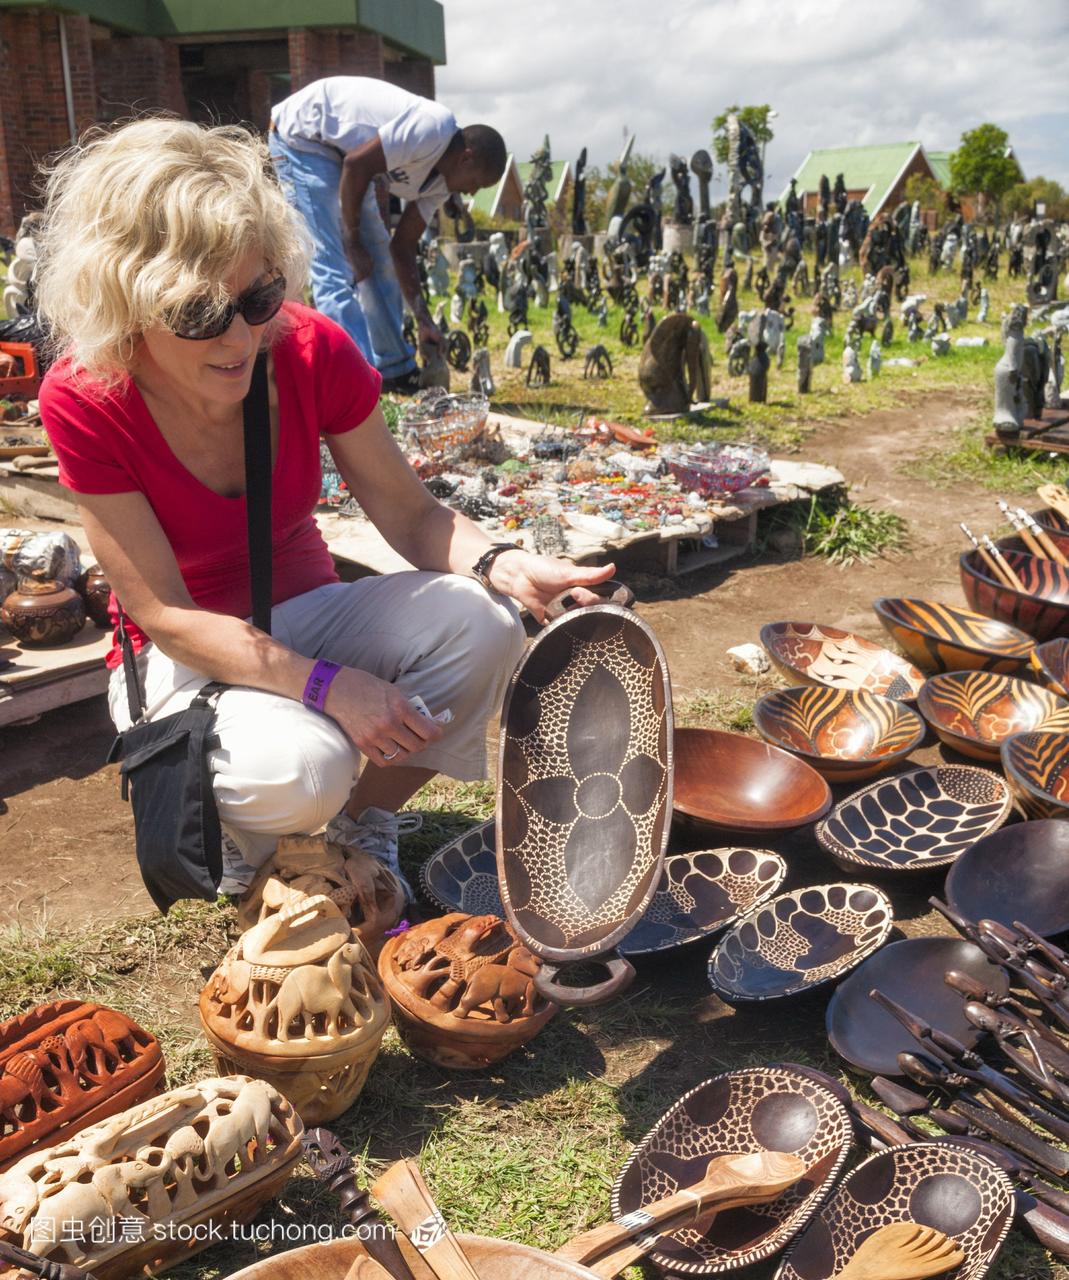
(810, 653)
(1050, 666)
(845, 734)
(1051, 520)
(944, 637)
(1037, 768)
(1042, 609)
(976, 711)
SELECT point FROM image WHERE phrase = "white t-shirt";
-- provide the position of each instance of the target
(346, 112)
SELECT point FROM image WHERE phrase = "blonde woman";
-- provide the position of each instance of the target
(170, 259)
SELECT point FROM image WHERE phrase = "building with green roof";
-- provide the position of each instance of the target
(875, 175)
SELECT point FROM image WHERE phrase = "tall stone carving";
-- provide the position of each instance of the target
(673, 371)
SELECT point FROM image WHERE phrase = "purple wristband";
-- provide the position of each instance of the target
(315, 691)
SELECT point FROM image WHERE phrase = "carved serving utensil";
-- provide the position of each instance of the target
(1055, 496)
(902, 1251)
(45, 1268)
(973, 990)
(730, 1181)
(1039, 1061)
(403, 1194)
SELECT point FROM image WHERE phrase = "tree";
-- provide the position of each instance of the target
(640, 169)
(1024, 196)
(926, 191)
(754, 118)
(982, 166)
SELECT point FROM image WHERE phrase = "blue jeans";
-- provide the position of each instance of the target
(372, 314)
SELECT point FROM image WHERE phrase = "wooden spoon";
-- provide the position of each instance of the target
(403, 1194)
(730, 1181)
(1055, 496)
(902, 1251)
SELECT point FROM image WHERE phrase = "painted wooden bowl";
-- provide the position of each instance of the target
(698, 893)
(816, 654)
(944, 637)
(1018, 873)
(1050, 666)
(585, 792)
(911, 972)
(1042, 609)
(845, 734)
(770, 1108)
(799, 940)
(1014, 542)
(494, 1259)
(1051, 520)
(976, 711)
(918, 820)
(952, 1188)
(1037, 768)
(733, 782)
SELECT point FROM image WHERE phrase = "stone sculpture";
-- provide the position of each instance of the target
(67, 1064)
(985, 305)
(437, 270)
(121, 1196)
(875, 359)
(759, 361)
(1009, 392)
(482, 379)
(603, 313)
(851, 365)
(462, 990)
(598, 363)
(728, 309)
(776, 335)
(674, 371)
(514, 352)
(940, 344)
(683, 211)
(538, 370)
(361, 886)
(579, 227)
(805, 365)
(297, 1000)
(818, 331)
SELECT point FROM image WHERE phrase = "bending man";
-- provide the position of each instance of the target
(330, 142)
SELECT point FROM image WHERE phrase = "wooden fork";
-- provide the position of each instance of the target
(902, 1251)
(1055, 496)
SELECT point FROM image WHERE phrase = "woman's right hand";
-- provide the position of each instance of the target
(378, 718)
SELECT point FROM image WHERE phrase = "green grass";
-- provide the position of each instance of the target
(967, 459)
(832, 526)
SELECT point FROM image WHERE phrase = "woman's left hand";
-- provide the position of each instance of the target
(534, 580)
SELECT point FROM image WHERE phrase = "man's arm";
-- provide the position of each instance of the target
(403, 247)
(357, 171)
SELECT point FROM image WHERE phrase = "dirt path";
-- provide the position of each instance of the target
(66, 846)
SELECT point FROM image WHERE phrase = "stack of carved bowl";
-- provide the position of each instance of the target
(297, 1002)
(462, 990)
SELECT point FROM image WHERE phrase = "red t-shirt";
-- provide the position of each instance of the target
(107, 442)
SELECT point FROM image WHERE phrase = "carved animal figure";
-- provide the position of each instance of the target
(508, 991)
(598, 363)
(309, 990)
(538, 370)
(674, 369)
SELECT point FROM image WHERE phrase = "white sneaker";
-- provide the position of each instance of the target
(237, 874)
(376, 831)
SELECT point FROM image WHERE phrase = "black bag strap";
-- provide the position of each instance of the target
(256, 422)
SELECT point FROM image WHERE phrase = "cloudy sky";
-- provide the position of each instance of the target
(837, 72)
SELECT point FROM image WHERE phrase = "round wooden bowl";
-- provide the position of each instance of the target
(799, 940)
(494, 1260)
(699, 893)
(943, 637)
(1037, 768)
(976, 711)
(1018, 873)
(915, 821)
(938, 1184)
(462, 992)
(820, 655)
(911, 972)
(1051, 520)
(733, 782)
(771, 1108)
(845, 734)
(1050, 666)
(1042, 609)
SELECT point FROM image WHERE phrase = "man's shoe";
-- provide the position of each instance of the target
(237, 874)
(404, 384)
(377, 832)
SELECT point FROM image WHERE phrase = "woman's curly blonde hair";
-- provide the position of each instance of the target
(141, 220)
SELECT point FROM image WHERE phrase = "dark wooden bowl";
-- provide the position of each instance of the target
(1051, 520)
(942, 1185)
(976, 711)
(799, 940)
(1050, 666)
(1014, 542)
(845, 734)
(1042, 610)
(915, 821)
(911, 972)
(1018, 873)
(815, 654)
(944, 637)
(698, 894)
(1036, 766)
(773, 1108)
(584, 790)
(737, 783)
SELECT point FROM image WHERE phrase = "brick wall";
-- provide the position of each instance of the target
(137, 74)
(333, 52)
(414, 74)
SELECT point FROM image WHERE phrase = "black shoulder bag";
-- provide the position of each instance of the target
(165, 771)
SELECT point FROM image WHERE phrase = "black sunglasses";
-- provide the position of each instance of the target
(201, 320)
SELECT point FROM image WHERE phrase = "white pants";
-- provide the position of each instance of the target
(281, 768)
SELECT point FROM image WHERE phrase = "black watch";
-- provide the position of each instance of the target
(481, 568)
